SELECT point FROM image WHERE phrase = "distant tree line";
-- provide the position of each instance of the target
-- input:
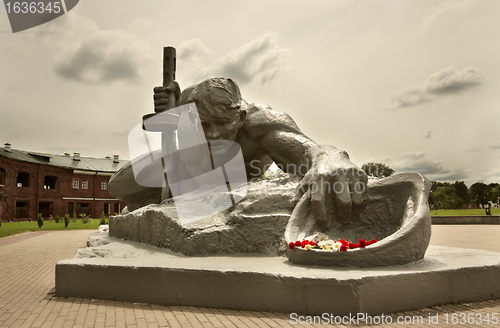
(445, 195)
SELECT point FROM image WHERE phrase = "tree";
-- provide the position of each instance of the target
(377, 170)
(462, 193)
(66, 220)
(39, 220)
(446, 195)
(441, 197)
(495, 194)
(480, 194)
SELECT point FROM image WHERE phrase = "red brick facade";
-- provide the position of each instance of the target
(30, 188)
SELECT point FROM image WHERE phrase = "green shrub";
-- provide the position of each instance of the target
(39, 220)
(57, 219)
(103, 219)
(74, 217)
(66, 220)
(85, 219)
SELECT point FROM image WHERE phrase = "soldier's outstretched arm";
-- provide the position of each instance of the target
(334, 183)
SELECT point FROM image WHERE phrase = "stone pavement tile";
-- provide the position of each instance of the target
(148, 313)
(233, 317)
(252, 320)
(27, 300)
(158, 313)
(20, 237)
(171, 319)
(221, 319)
(192, 315)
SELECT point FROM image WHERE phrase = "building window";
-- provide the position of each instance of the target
(2, 176)
(117, 208)
(49, 182)
(46, 208)
(23, 179)
(104, 185)
(83, 208)
(106, 209)
(22, 210)
(75, 184)
(85, 184)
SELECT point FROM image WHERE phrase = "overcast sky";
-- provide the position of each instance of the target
(412, 84)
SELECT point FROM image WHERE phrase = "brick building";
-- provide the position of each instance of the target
(32, 183)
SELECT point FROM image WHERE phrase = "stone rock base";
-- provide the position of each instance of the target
(125, 271)
(254, 225)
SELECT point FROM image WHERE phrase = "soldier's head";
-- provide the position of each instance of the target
(219, 103)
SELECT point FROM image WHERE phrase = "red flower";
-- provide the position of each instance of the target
(362, 243)
(313, 243)
(373, 241)
(343, 248)
(297, 243)
(291, 245)
(342, 241)
(304, 243)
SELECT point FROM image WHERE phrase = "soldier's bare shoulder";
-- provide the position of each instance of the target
(262, 119)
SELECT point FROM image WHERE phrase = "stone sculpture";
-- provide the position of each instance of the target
(332, 190)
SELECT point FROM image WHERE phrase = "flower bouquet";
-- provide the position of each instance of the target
(395, 223)
(330, 245)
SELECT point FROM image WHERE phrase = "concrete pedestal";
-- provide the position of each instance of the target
(126, 271)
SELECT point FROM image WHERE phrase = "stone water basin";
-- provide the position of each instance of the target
(396, 214)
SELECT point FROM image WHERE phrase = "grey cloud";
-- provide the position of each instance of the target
(473, 149)
(414, 155)
(446, 82)
(454, 176)
(120, 133)
(192, 49)
(433, 169)
(260, 61)
(424, 167)
(495, 146)
(420, 162)
(94, 64)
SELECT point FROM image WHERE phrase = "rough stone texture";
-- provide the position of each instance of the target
(126, 271)
(396, 214)
(254, 225)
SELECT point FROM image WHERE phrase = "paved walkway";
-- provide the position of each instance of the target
(27, 265)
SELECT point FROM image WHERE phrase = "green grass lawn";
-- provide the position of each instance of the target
(12, 228)
(494, 211)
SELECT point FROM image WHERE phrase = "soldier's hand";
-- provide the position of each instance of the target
(336, 186)
(166, 98)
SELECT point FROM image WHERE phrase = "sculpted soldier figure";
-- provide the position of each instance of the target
(265, 136)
